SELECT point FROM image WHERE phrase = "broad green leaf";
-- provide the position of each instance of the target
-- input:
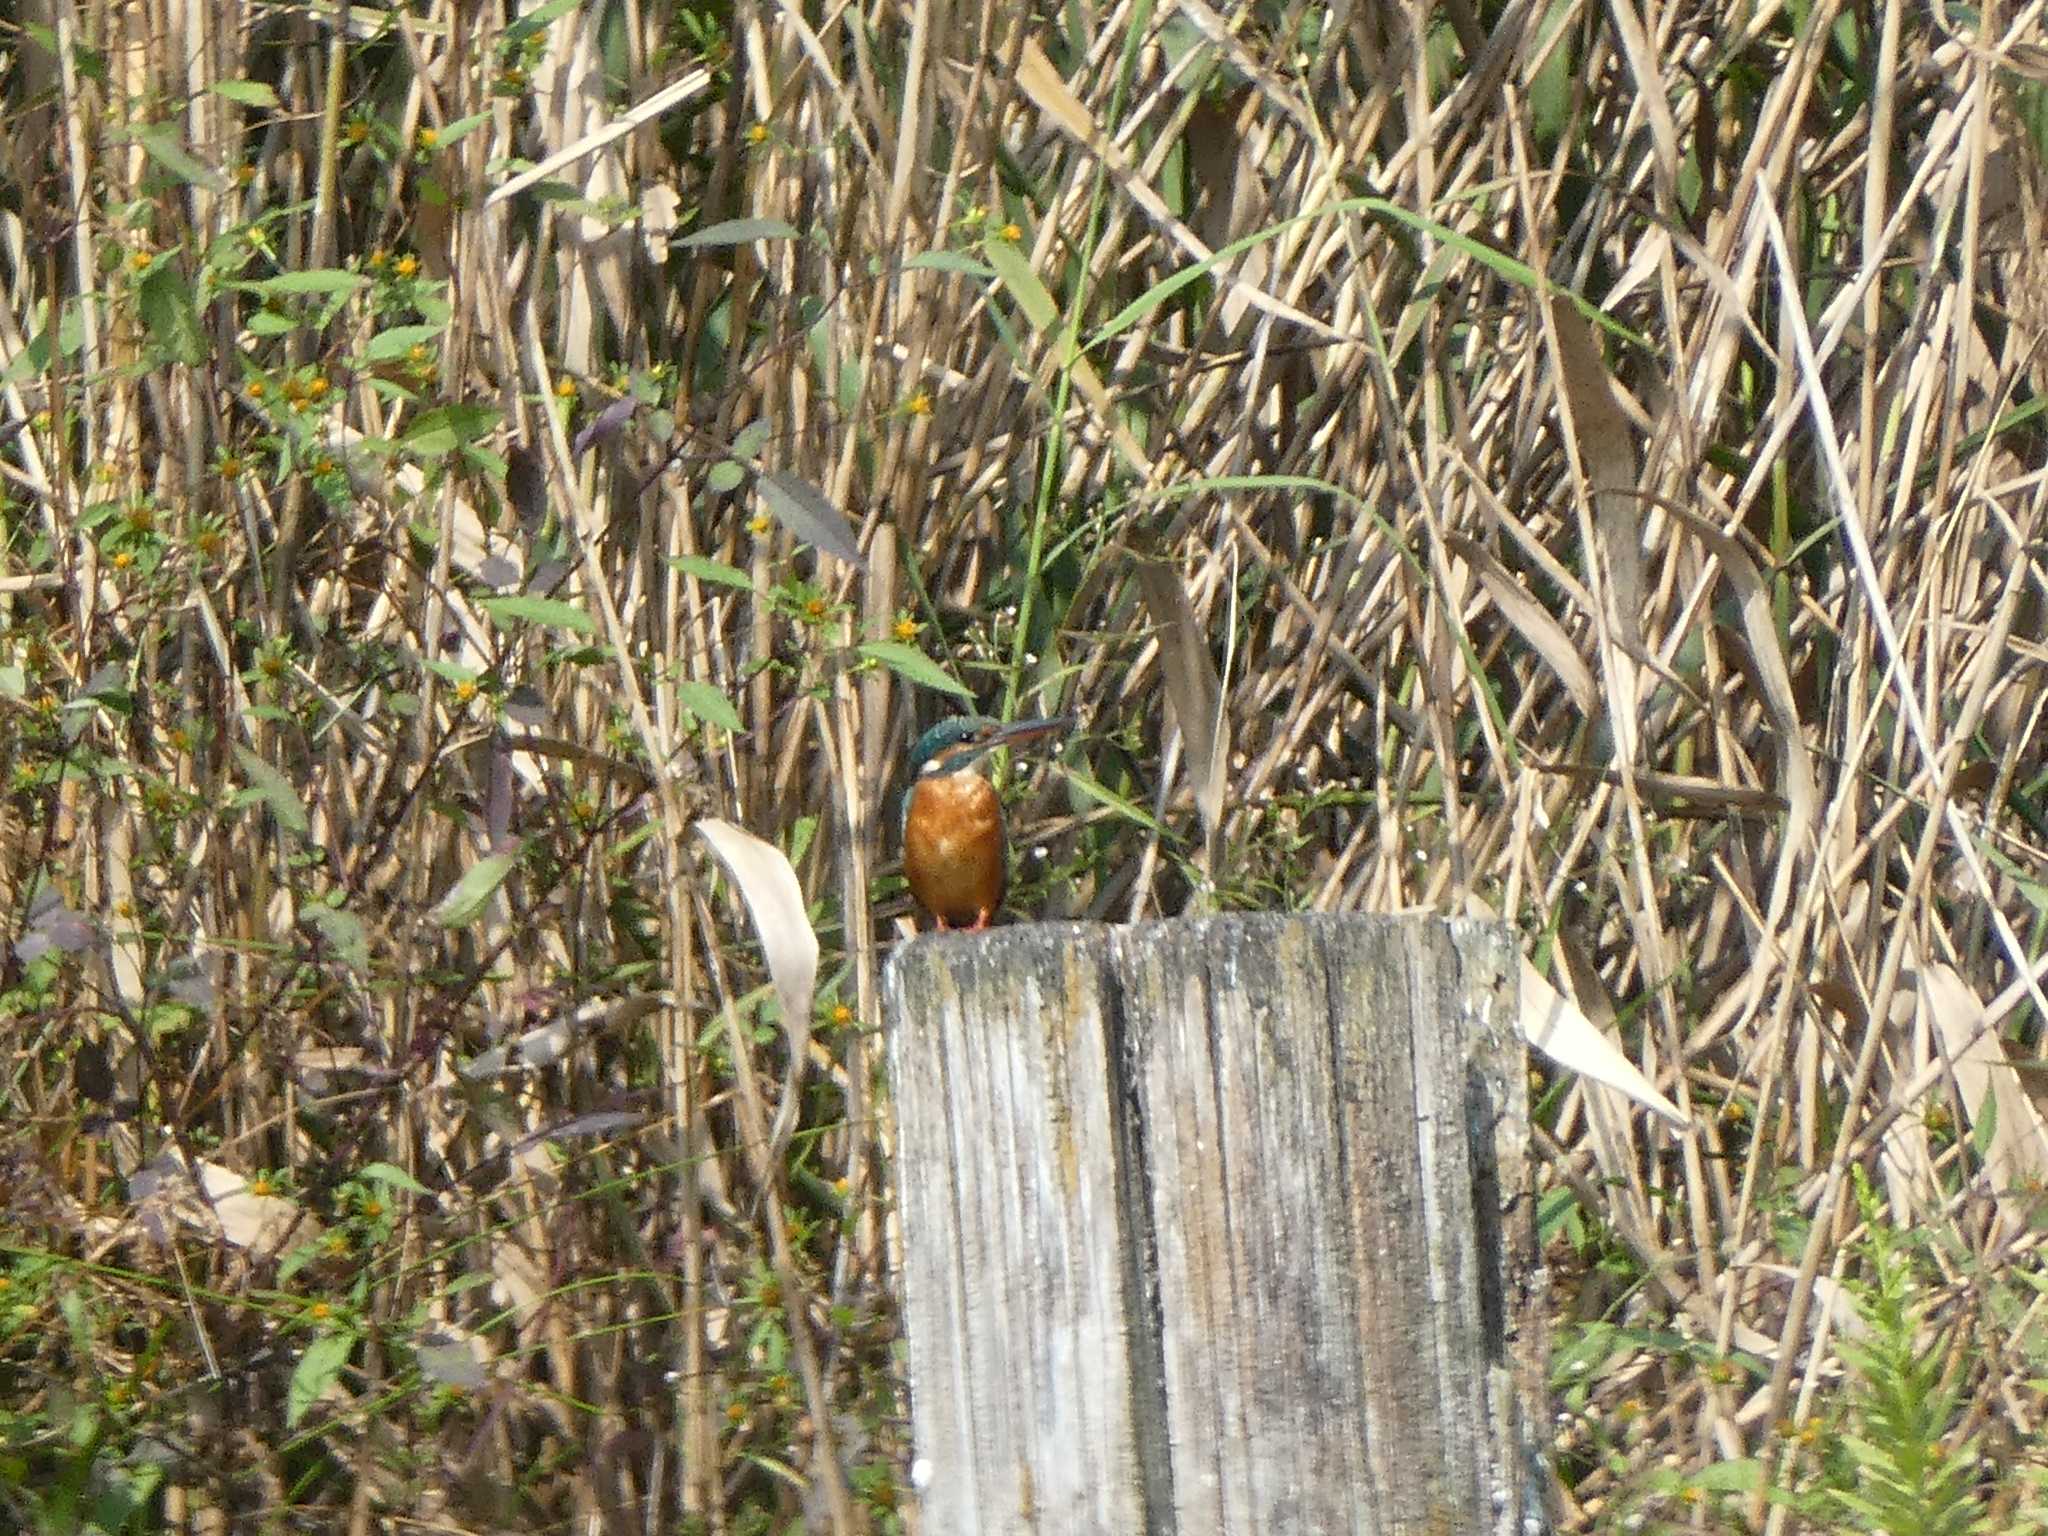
(164, 299)
(319, 280)
(318, 1369)
(343, 932)
(802, 508)
(751, 439)
(950, 261)
(708, 705)
(911, 664)
(724, 476)
(394, 1177)
(536, 19)
(712, 570)
(1013, 267)
(274, 790)
(249, 93)
(447, 427)
(739, 232)
(460, 128)
(166, 146)
(523, 608)
(465, 902)
(388, 346)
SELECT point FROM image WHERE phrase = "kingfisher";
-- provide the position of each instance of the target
(954, 851)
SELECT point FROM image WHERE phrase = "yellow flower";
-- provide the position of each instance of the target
(1011, 232)
(408, 266)
(757, 134)
(428, 139)
(760, 525)
(905, 629)
(919, 404)
(565, 389)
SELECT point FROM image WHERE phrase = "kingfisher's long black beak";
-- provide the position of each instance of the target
(1015, 732)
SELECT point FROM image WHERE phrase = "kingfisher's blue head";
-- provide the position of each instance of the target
(959, 743)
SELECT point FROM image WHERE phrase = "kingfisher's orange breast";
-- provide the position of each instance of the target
(953, 853)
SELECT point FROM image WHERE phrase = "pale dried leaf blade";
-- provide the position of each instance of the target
(1760, 629)
(1192, 686)
(2017, 1159)
(1532, 621)
(1550, 1023)
(1601, 426)
(775, 901)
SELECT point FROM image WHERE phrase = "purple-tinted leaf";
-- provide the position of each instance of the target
(802, 508)
(605, 425)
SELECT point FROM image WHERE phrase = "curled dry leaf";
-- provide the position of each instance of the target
(166, 1190)
(776, 903)
(1192, 686)
(1549, 1022)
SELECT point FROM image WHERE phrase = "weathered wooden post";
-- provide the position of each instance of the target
(1218, 1226)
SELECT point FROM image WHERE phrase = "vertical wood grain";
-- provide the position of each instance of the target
(1216, 1226)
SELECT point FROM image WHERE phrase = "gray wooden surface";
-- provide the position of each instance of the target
(1218, 1226)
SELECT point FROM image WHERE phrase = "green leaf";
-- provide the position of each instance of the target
(446, 428)
(166, 146)
(465, 903)
(388, 346)
(249, 93)
(319, 280)
(911, 664)
(1986, 1124)
(393, 1177)
(712, 570)
(343, 932)
(708, 705)
(950, 261)
(522, 608)
(1102, 794)
(534, 20)
(802, 508)
(274, 790)
(1013, 268)
(724, 476)
(460, 128)
(318, 1369)
(739, 232)
(164, 299)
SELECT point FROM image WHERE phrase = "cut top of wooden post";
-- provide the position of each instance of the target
(1218, 1226)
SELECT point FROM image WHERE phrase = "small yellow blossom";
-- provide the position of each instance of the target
(905, 629)
(757, 134)
(919, 404)
(428, 138)
(760, 525)
(408, 266)
(565, 389)
(1011, 232)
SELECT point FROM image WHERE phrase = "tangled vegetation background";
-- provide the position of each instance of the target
(1577, 459)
